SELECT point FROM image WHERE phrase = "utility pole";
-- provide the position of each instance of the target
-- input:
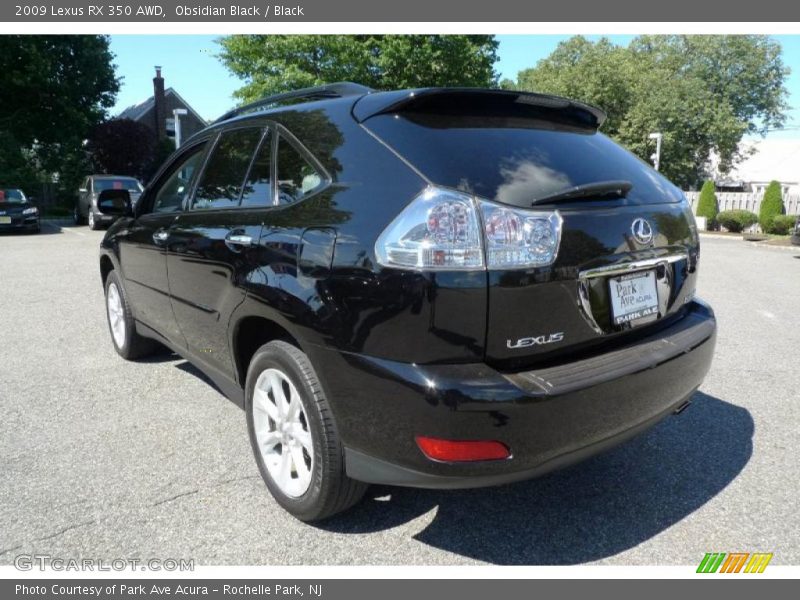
(177, 113)
(656, 158)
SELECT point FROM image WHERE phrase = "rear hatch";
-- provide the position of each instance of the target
(626, 262)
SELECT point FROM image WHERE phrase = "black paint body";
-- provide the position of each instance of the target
(407, 353)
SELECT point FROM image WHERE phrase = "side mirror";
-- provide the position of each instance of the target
(115, 203)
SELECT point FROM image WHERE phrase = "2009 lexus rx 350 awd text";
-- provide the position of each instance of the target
(440, 288)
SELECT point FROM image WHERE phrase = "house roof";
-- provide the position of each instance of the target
(137, 111)
(771, 159)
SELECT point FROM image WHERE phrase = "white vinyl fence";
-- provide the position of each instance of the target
(745, 201)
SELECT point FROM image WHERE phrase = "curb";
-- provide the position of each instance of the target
(792, 248)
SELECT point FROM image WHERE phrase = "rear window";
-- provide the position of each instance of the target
(515, 161)
(12, 196)
(132, 185)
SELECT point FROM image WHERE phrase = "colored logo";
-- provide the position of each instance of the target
(734, 562)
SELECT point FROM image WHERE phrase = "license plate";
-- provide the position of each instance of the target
(5, 220)
(633, 297)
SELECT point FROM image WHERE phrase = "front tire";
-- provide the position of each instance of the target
(294, 437)
(121, 324)
(76, 215)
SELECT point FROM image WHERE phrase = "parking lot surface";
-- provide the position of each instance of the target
(109, 459)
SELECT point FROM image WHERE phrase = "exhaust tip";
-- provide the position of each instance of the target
(682, 407)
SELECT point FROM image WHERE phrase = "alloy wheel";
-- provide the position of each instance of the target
(282, 431)
(116, 315)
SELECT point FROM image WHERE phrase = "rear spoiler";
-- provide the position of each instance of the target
(478, 101)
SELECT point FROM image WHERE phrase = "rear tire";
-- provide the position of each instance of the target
(314, 485)
(121, 324)
(94, 225)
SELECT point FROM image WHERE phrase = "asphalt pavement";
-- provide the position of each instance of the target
(104, 458)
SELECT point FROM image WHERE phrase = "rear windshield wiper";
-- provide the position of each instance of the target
(600, 189)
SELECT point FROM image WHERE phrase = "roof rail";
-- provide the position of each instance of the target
(339, 89)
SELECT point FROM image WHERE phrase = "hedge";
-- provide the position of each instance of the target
(771, 206)
(783, 224)
(707, 204)
(737, 220)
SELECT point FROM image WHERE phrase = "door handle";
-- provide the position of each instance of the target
(238, 239)
(160, 236)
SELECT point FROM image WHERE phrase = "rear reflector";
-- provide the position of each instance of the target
(462, 451)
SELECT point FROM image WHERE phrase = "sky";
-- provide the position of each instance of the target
(189, 64)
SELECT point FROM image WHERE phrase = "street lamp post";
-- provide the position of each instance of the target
(177, 113)
(657, 156)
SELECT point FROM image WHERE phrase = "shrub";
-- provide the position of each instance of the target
(783, 224)
(707, 204)
(737, 220)
(771, 206)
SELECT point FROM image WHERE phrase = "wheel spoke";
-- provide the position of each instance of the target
(270, 439)
(285, 469)
(304, 437)
(276, 385)
(294, 408)
(265, 405)
(300, 467)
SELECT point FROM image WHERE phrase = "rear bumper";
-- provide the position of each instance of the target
(549, 418)
(103, 218)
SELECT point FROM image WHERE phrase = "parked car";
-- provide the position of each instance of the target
(796, 232)
(86, 207)
(442, 288)
(17, 213)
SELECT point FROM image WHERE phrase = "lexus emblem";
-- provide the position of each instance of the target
(642, 231)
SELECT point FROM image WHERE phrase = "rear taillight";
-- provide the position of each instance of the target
(438, 230)
(462, 450)
(443, 230)
(520, 238)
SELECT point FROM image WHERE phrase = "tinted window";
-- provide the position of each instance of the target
(221, 183)
(12, 196)
(297, 178)
(175, 187)
(132, 185)
(258, 186)
(516, 160)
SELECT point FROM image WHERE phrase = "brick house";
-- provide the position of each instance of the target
(156, 112)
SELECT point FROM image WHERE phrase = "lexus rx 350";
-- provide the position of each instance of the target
(440, 288)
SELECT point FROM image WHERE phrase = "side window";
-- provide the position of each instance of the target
(221, 183)
(175, 187)
(297, 178)
(258, 185)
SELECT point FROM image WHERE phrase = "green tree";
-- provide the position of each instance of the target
(122, 147)
(703, 93)
(271, 64)
(707, 204)
(771, 206)
(55, 90)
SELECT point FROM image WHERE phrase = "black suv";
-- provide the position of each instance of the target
(440, 288)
